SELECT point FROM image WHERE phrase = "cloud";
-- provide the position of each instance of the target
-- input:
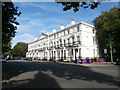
(27, 38)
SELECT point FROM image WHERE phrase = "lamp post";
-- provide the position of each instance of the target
(111, 53)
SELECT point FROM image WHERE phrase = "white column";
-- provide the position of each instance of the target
(60, 54)
(48, 56)
(63, 54)
(56, 54)
(73, 54)
(78, 54)
(67, 54)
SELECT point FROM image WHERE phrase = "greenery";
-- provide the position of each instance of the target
(9, 14)
(108, 31)
(19, 50)
(76, 5)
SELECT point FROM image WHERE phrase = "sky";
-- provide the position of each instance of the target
(38, 17)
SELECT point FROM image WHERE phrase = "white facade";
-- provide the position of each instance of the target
(71, 42)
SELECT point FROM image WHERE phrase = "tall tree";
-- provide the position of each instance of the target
(19, 50)
(108, 31)
(9, 14)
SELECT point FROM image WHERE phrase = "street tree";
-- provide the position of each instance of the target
(9, 25)
(19, 50)
(107, 27)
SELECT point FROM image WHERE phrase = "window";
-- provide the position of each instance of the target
(93, 40)
(54, 35)
(68, 31)
(86, 36)
(93, 31)
(73, 39)
(64, 42)
(64, 32)
(54, 43)
(78, 29)
(78, 38)
(68, 40)
(57, 43)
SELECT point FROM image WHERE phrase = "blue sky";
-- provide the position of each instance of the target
(38, 17)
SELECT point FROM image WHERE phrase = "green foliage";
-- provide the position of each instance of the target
(19, 50)
(9, 14)
(76, 5)
(108, 31)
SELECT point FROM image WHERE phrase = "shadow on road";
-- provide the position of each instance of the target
(42, 80)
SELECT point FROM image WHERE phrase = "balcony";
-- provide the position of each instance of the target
(40, 49)
(61, 46)
(50, 48)
(57, 46)
(76, 43)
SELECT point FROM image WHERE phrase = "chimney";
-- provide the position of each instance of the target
(62, 26)
(54, 30)
(72, 22)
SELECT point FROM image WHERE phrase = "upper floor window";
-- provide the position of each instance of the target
(78, 28)
(57, 43)
(64, 42)
(68, 31)
(68, 40)
(64, 32)
(54, 43)
(78, 38)
(73, 39)
(93, 30)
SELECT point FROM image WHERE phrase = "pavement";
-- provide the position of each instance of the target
(86, 64)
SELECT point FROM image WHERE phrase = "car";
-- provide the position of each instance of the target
(3, 60)
(29, 58)
(118, 61)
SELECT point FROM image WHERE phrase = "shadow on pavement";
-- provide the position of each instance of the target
(41, 80)
(66, 71)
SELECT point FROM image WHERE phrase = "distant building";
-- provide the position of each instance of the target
(71, 42)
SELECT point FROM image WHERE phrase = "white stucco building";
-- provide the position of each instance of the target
(76, 40)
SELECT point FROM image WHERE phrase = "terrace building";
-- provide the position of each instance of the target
(71, 42)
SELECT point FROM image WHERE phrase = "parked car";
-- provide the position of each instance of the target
(118, 61)
(29, 58)
(3, 60)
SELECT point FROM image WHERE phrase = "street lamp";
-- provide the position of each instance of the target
(111, 53)
(111, 49)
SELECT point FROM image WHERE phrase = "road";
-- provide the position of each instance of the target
(42, 74)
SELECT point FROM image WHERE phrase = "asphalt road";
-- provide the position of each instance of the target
(34, 74)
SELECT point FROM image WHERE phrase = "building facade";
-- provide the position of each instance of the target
(71, 42)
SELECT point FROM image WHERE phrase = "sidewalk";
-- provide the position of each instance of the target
(87, 64)
(99, 64)
(90, 64)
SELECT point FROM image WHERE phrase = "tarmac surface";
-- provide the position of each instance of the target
(47, 74)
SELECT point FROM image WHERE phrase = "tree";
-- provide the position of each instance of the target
(108, 31)
(19, 50)
(9, 14)
(76, 5)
